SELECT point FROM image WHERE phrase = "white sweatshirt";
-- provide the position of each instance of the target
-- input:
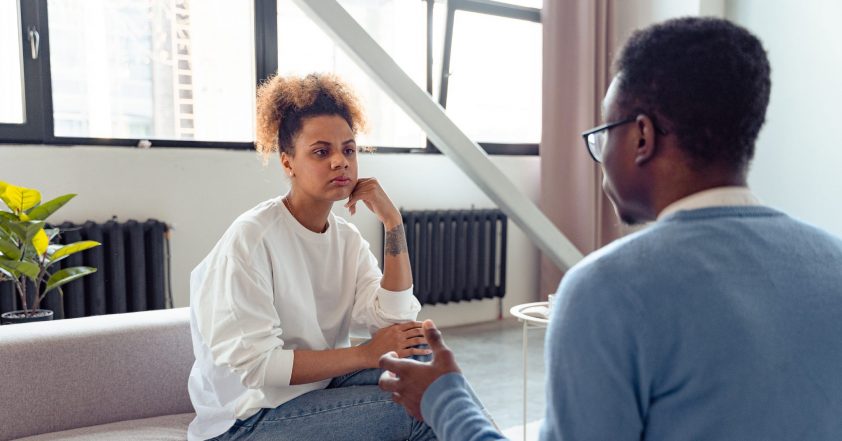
(271, 286)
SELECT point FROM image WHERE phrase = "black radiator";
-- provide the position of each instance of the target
(132, 271)
(456, 254)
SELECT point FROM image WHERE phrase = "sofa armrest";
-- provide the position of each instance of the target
(94, 370)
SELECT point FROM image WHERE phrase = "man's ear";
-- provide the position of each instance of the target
(646, 146)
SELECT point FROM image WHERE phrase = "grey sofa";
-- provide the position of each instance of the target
(113, 377)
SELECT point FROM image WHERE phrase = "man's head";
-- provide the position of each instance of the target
(696, 90)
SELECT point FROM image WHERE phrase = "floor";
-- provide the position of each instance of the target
(491, 357)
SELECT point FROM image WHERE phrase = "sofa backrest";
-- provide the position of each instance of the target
(94, 370)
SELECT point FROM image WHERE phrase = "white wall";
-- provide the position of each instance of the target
(626, 16)
(799, 152)
(199, 192)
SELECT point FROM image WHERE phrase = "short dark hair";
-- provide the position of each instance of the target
(704, 79)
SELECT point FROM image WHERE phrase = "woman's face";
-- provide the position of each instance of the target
(324, 164)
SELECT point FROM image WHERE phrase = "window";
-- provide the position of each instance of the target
(397, 25)
(184, 73)
(11, 70)
(152, 69)
(490, 99)
(491, 53)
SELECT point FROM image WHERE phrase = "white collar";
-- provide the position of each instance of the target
(714, 197)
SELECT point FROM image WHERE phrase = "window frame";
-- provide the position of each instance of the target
(484, 7)
(33, 127)
(38, 127)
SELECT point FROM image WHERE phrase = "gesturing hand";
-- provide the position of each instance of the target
(407, 380)
(369, 191)
(398, 339)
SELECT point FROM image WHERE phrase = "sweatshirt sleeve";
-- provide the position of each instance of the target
(237, 320)
(449, 409)
(375, 307)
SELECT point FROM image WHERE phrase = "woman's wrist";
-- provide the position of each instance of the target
(364, 356)
(392, 221)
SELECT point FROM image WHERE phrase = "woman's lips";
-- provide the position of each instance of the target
(341, 181)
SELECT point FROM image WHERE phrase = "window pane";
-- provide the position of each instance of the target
(529, 3)
(494, 91)
(165, 69)
(11, 72)
(397, 25)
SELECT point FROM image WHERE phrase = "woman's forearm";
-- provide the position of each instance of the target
(312, 366)
(397, 274)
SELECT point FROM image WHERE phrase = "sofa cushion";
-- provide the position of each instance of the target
(89, 371)
(163, 428)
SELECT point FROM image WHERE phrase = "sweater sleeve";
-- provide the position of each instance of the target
(374, 306)
(237, 320)
(596, 387)
(449, 409)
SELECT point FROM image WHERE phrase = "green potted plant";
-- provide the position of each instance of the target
(27, 251)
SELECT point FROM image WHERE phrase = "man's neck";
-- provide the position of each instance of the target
(692, 184)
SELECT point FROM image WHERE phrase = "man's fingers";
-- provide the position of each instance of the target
(389, 382)
(391, 362)
(433, 336)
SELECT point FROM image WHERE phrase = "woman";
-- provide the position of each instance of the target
(273, 303)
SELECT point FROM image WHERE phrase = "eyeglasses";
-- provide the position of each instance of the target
(595, 137)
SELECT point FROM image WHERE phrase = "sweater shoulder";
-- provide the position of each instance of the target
(245, 234)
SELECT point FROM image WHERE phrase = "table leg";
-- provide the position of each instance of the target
(525, 371)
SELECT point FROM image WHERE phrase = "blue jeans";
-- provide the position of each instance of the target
(352, 407)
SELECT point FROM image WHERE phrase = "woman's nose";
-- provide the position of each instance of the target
(339, 161)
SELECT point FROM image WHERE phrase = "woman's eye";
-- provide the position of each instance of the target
(321, 153)
(350, 151)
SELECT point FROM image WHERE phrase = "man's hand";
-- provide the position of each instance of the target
(407, 380)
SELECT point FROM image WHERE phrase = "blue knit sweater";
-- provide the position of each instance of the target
(721, 323)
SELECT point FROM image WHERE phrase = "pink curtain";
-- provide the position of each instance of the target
(576, 73)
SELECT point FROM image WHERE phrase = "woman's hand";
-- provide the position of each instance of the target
(369, 191)
(399, 338)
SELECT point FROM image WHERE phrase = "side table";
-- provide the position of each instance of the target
(533, 316)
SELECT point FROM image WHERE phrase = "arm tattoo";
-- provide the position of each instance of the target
(395, 241)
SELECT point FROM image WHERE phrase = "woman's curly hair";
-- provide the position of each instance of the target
(283, 103)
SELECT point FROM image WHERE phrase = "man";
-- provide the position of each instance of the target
(722, 319)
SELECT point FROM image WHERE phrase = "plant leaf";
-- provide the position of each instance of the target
(16, 229)
(67, 275)
(20, 199)
(72, 248)
(52, 232)
(44, 210)
(29, 269)
(9, 249)
(40, 242)
(32, 228)
(7, 215)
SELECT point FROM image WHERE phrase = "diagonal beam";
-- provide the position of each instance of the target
(467, 154)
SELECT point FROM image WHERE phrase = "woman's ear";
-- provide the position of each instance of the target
(646, 146)
(286, 163)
